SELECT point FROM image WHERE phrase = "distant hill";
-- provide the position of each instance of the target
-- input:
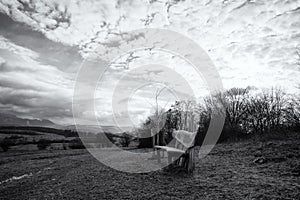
(35, 130)
(13, 120)
(96, 129)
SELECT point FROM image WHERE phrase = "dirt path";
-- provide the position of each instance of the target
(231, 171)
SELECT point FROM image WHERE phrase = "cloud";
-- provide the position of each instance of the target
(228, 31)
(30, 86)
(37, 46)
(42, 44)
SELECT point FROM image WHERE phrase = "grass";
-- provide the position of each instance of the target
(230, 171)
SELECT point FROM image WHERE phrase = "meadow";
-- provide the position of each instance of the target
(233, 170)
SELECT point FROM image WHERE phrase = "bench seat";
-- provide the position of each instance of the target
(170, 149)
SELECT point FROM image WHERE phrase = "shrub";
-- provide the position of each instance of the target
(43, 144)
(144, 141)
(65, 146)
(5, 146)
(7, 142)
(76, 144)
(125, 139)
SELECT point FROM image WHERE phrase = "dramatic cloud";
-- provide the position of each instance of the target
(42, 44)
(34, 82)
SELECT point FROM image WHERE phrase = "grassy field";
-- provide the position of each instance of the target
(245, 170)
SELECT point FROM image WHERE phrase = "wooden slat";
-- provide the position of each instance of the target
(170, 149)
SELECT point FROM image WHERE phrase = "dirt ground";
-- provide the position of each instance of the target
(245, 170)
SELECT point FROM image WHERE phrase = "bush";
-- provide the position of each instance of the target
(4, 145)
(15, 137)
(7, 142)
(65, 146)
(43, 144)
(144, 141)
(76, 144)
(125, 139)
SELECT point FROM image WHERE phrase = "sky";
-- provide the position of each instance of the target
(43, 44)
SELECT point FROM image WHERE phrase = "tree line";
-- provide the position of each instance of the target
(248, 112)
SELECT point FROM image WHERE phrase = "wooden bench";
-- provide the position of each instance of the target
(180, 153)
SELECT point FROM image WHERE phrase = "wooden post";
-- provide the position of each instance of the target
(158, 156)
(153, 141)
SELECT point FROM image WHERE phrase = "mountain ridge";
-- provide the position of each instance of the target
(13, 120)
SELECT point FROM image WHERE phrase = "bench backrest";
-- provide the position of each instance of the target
(183, 139)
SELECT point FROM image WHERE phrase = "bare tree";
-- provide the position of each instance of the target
(266, 110)
(292, 113)
(236, 105)
(159, 116)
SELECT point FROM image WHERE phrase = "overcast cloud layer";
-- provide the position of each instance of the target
(42, 44)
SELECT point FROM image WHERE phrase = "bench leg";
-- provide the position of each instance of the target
(191, 161)
(158, 156)
(169, 158)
